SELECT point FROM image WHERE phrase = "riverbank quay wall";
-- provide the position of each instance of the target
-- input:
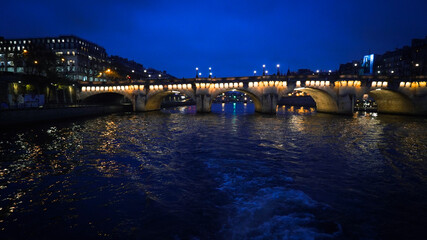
(334, 95)
(27, 91)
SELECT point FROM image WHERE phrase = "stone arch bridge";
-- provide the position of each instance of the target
(338, 97)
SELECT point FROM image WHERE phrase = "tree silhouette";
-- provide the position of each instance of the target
(40, 60)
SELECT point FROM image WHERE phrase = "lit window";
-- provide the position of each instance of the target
(53, 40)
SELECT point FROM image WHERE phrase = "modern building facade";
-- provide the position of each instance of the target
(77, 59)
(73, 58)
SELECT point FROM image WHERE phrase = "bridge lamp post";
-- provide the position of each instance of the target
(278, 69)
(263, 69)
(200, 74)
(266, 72)
(254, 72)
(197, 72)
(210, 72)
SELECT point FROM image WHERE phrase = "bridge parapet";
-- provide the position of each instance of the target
(331, 95)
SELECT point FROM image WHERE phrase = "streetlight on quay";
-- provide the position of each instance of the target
(254, 72)
(278, 69)
(197, 72)
(263, 69)
(210, 72)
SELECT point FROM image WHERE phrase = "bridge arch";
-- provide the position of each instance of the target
(155, 98)
(255, 99)
(389, 101)
(325, 102)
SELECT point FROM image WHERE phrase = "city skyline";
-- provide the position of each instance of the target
(234, 39)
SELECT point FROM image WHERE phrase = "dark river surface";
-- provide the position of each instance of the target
(229, 174)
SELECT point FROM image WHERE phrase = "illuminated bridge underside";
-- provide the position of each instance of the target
(392, 102)
(331, 97)
(155, 98)
(324, 101)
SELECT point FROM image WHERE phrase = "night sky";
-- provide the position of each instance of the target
(233, 37)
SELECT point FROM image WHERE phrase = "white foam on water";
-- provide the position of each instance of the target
(263, 205)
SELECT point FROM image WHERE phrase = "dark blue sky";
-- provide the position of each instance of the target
(233, 37)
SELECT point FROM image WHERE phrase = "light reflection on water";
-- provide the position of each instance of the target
(230, 174)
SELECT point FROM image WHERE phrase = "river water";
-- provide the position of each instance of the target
(229, 174)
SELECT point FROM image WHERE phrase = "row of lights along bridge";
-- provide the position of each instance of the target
(264, 71)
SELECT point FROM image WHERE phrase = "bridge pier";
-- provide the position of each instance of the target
(139, 102)
(269, 103)
(203, 103)
(345, 104)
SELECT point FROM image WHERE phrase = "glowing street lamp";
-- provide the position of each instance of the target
(210, 72)
(254, 72)
(278, 69)
(266, 72)
(197, 72)
(263, 69)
